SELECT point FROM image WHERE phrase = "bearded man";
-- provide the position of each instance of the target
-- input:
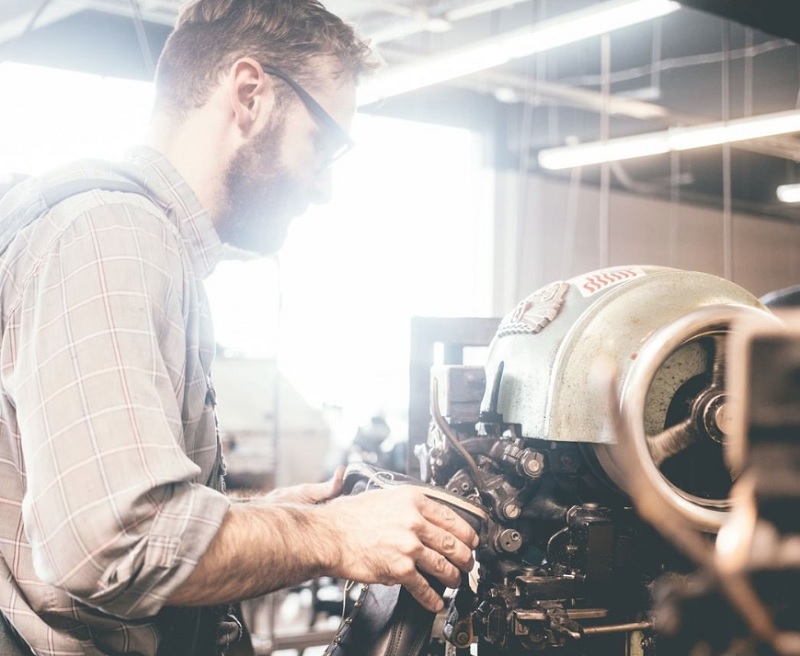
(116, 536)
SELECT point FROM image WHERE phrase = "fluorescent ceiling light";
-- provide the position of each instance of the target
(654, 143)
(546, 35)
(789, 193)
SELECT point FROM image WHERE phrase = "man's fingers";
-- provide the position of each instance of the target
(450, 536)
(335, 484)
(448, 546)
(446, 518)
(437, 565)
(399, 535)
(319, 492)
(309, 493)
(422, 591)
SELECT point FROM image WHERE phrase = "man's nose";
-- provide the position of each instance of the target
(322, 187)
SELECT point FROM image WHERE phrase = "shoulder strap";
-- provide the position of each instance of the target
(50, 196)
(53, 195)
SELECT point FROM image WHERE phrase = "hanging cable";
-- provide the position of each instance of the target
(571, 224)
(604, 219)
(727, 218)
(524, 163)
(655, 76)
(573, 194)
(538, 14)
(748, 72)
(797, 101)
(547, 68)
(141, 36)
(674, 205)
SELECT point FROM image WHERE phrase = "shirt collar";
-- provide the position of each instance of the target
(169, 189)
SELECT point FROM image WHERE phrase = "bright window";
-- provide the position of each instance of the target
(407, 233)
(50, 117)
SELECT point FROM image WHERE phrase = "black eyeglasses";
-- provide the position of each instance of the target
(339, 141)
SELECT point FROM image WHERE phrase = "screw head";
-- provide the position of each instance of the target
(511, 510)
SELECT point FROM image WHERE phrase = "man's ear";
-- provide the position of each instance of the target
(252, 95)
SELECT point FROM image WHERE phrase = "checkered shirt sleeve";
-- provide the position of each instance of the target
(103, 369)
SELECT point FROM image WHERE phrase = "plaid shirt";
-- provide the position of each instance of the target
(108, 447)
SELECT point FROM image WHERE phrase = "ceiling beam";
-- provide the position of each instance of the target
(152, 12)
(16, 16)
(778, 17)
(783, 146)
(420, 19)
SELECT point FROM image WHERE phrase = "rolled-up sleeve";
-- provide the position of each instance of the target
(116, 511)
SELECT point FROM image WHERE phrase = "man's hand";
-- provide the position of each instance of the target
(384, 536)
(308, 493)
(394, 535)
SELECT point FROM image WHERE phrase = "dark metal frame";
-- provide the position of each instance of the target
(455, 334)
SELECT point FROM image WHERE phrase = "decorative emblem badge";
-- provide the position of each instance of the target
(533, 314)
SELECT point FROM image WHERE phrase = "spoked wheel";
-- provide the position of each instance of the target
(675, 406)
(689, 450)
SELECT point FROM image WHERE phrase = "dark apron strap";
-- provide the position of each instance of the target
(10, 642)
(50, 196)
(54, 195)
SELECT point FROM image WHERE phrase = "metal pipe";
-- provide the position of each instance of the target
(617, 628)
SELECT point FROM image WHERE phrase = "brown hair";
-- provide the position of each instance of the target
(211, 35)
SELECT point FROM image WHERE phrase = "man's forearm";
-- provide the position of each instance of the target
(386, 536)
(260, 548)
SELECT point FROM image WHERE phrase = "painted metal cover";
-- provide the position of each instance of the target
(548, 344)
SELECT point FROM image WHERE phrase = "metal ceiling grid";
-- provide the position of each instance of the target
(667, 72)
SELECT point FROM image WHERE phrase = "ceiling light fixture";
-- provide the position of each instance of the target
(546, 35)
(656, 143)
(789, 193)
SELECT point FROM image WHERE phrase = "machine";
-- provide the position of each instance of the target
(608, 451)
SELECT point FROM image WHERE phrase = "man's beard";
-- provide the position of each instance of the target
(262, 197)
